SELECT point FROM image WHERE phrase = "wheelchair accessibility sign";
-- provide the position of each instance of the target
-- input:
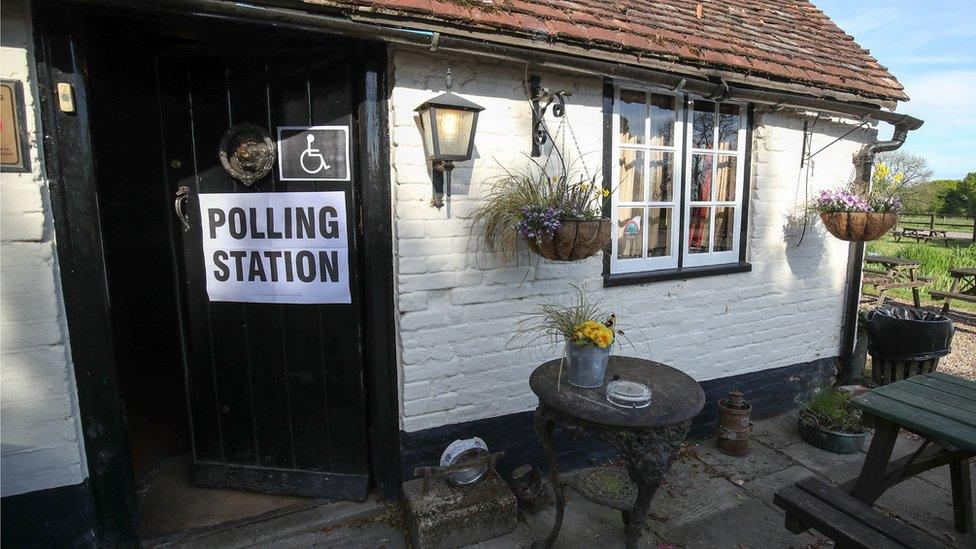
(313, 153)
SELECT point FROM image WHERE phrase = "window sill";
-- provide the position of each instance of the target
(627, 279)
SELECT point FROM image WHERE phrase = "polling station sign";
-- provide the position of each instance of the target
(286, 247)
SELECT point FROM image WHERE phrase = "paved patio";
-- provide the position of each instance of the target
(710, 500)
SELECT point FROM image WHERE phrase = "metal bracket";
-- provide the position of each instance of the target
(540, 99)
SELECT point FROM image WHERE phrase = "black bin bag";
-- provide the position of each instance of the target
(904, 333)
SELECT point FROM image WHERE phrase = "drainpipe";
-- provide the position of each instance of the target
(855, 254)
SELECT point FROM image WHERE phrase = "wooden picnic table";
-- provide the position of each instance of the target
(963, 287)
(921, 234)
(941, 409)
(894, 272)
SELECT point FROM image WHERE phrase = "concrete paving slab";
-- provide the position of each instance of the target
(691, 491)
(748, 524)
(835, 467)
(760, 461)
(373, 536)
(522, 536)
(585, 524)
(926, 507)
(776, 432)
(764, 487)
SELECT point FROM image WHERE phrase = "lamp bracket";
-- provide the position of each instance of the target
(540, 99)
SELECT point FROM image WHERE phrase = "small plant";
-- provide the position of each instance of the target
(830, 409)
(584, 323)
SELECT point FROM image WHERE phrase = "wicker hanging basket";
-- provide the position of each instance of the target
(858, 226)
(573, 240)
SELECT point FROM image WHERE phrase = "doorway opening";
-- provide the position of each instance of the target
(143, 263)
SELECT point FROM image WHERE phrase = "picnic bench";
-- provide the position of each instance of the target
(920, 234)
(963, 287)
(938, 407)
(886, 273)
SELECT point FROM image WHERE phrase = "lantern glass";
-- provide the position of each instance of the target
(454, 133)
(428, 128)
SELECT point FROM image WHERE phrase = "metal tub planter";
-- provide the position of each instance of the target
(832, 441)
(828, 421)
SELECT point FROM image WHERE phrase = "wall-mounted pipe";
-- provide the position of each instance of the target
(855, 253)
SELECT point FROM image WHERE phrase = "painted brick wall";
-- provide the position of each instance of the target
(39, 426)
(457, 308)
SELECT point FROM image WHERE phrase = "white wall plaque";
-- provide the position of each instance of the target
(286, 247)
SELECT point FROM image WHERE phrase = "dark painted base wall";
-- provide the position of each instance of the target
(57, 517)
(771, 392)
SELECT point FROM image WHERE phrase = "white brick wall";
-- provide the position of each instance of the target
(457, 308)
(40, 433)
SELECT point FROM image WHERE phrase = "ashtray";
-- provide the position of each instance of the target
(628, 394)
(463, 450)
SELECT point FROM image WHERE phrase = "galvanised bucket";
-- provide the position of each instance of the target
(586, 366)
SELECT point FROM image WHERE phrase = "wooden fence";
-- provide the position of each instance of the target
(929, 221)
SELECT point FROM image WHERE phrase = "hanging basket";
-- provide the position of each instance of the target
(858, 226)
(573, 240)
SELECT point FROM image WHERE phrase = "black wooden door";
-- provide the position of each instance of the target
(275, 391)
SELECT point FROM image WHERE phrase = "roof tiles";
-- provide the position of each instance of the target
(779, 40)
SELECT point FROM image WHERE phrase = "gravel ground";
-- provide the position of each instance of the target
(962, 360)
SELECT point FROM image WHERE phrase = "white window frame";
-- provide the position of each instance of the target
(634, 265)
(730, 256)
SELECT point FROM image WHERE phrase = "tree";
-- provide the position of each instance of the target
(914, 169)
(962, 199)
(929, 197)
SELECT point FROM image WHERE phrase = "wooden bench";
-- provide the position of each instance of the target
(963, 287)
(850, 523)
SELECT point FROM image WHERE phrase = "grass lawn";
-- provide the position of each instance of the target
(935, 259)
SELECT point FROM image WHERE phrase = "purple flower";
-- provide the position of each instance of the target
(538, 222)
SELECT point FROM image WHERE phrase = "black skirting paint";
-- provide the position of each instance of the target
(56, 517)
(771, 392)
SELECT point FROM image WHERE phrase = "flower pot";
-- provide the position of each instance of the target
(573, 240)
(832, 441)
(858, 226)
(586, 366)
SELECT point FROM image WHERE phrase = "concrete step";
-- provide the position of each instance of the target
(290, 523)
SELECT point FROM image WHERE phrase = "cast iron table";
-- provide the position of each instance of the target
(942, 410)
(648, 438)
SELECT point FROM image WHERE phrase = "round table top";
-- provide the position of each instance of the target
(675, 396)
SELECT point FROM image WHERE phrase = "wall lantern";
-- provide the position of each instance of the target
(448, 122)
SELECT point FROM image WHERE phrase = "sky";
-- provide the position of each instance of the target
(930, 46)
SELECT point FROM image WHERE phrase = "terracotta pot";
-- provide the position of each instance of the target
(858, 226)
(573, 240)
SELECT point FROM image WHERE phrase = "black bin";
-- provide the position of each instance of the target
(903, 342)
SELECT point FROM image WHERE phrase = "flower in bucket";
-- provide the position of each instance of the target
(592, 332)
(587, 331)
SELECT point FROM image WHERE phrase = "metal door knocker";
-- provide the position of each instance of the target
(247, 152)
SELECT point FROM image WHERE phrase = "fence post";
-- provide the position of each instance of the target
(932, 222)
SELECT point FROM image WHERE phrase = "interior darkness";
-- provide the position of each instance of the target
(136, 226)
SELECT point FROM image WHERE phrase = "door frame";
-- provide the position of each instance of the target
(60, 57)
